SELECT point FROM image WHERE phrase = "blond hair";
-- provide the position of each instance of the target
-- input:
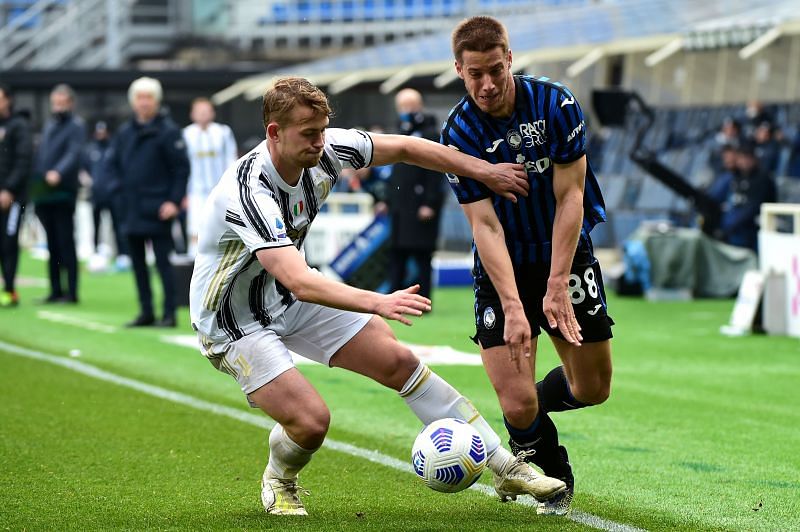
(286, 93)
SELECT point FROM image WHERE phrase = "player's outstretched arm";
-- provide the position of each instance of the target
(505, 179)
(487, 231)
(290, 269)
(568, 185)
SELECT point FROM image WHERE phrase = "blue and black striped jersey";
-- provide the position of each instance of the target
(546, 127)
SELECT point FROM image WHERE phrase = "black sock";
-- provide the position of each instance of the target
(542, 437)
(554, 393)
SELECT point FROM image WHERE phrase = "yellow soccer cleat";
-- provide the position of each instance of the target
(281, 497)
(521, 479)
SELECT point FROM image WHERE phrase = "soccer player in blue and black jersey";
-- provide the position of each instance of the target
(534, 265)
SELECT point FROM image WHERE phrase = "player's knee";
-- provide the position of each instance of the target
(312, 428)
(594, 394)
(400, 368)
(520, 410)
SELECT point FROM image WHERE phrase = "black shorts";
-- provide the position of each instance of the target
(586, 290)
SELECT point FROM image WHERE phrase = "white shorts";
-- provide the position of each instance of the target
(312, 331)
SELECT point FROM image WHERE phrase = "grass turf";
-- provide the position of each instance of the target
(700, 432)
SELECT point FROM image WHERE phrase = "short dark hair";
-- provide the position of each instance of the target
(6, 89)
(479, 34)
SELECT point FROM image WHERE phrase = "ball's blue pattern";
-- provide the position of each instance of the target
(477, 450)
(418, 461)
(442, 439)
(450, 475)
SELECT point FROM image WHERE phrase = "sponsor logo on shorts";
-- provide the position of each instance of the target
(594, 310)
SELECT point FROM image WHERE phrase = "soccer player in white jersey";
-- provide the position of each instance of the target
(253, 298)
(212, 149)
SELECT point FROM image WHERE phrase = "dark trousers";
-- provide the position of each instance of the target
(422, 259)
(10, 221)
(162, 246)
(113, 209)
(58, 220)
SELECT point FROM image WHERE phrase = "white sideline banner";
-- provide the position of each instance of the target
(779, 253)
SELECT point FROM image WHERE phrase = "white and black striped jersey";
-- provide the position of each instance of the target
(211, 151)
(253, 208)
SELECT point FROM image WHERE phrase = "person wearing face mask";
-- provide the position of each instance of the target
(414, 199)
(58, 161)
(148, 159)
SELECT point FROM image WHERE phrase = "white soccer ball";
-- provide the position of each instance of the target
(449, 455)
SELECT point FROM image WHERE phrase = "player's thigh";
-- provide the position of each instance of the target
(513, 381)
(588, 369)
(375, 353)
(292, 401)
(317, 332)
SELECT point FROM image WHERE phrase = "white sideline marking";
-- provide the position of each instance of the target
(75, 321)
(264, 422)
(430, 354)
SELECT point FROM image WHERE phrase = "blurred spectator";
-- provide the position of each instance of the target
(767, 148)
(148, 157)
(749, 187)
(105, 191)
(720, 187)
(756, 114)
(414, 199)
(371, 180)
(729, 134)
(793, 169)
(58, 161)
(15, 164)
(212, 148)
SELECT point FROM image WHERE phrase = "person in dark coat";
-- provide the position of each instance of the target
(105, 188)
(148, 157)
(15, 163)
(750, 186)
(414, 198)
(58, 161)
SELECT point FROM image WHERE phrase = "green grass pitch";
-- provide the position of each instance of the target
(701, 431)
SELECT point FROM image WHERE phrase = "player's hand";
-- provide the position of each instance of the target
(557, 307)
(6, 199)
(52, 178)
(517, 334)
(425, 213)
(167, 211)
(508, 180)
(402, 303)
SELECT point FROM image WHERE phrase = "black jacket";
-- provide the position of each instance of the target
(16, 153)
(411, 187)
(60, 149)
(104, 186)
(150, 163)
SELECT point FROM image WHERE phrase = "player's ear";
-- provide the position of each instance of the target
(458, 69)
(272, 131)
(509, 58)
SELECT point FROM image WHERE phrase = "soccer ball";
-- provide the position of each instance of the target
(449, 455)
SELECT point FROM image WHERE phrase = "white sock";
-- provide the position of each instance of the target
(286, 458)
(430, 397)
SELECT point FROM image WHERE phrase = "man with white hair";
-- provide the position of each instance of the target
(148, 157)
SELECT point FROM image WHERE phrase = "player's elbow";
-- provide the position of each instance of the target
(301, 285)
